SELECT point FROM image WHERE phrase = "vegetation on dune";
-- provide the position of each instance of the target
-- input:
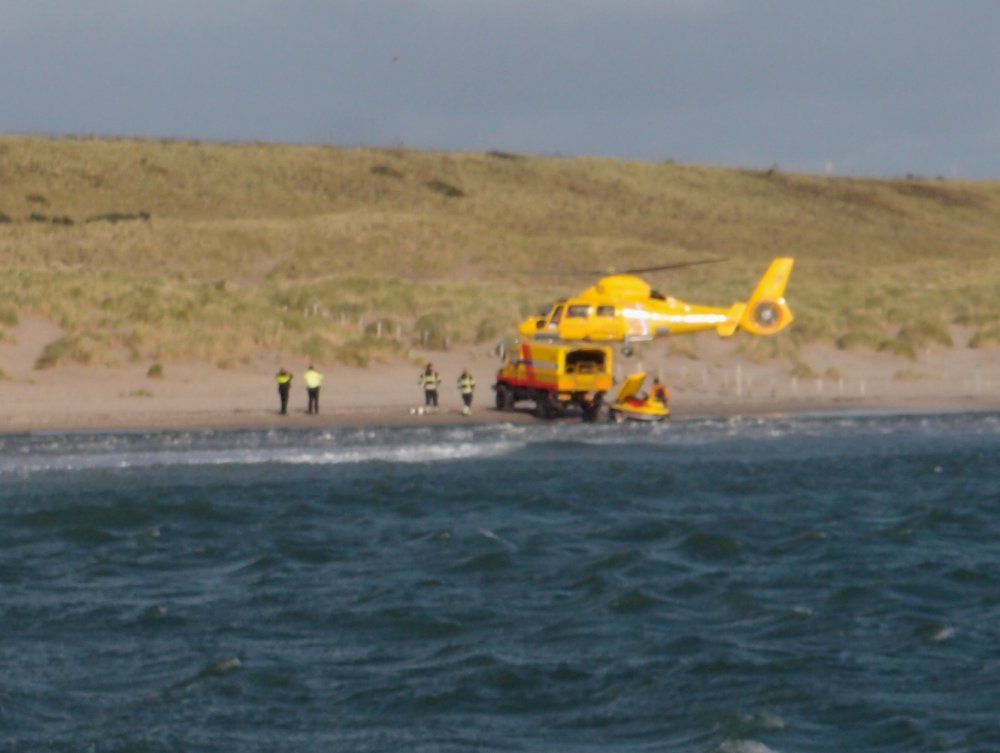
(185, 250)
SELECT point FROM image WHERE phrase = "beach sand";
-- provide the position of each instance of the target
(718, 382)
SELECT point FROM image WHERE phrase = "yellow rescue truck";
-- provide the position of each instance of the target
(556, 376)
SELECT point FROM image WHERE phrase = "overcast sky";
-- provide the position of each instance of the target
(870, 87)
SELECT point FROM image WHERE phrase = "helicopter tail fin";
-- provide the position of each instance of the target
(767, 313)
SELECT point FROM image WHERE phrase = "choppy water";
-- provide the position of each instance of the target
(808, 584)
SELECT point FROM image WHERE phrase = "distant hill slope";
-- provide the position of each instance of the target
(172, 249)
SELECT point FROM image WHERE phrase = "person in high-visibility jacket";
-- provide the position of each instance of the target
(466, 386)
(659, 391)
(284, 386)
(314, 381)
(429, 380)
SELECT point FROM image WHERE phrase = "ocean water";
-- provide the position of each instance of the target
(740, 586)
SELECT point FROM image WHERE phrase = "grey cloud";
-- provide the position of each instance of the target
(887, 87)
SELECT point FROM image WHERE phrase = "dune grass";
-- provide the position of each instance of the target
(223, 252)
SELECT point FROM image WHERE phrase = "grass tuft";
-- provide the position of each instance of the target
(801, 370)
(67, 349)
(8, 315)
(985, 337)
(900, 346)
(155, 371)
(386, 171)
(445, 189)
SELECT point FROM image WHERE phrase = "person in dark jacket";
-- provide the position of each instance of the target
(284, 378)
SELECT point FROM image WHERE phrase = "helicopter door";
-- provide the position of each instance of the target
(638, 324)
(556, 317)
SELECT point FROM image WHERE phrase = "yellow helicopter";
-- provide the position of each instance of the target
(624, 308)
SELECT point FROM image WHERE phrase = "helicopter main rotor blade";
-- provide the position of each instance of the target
(657, 267)
(613, 271)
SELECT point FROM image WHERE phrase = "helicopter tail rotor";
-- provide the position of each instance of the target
(767, 313)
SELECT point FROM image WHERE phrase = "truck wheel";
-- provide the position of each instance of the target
(543, 408)
(505, 399)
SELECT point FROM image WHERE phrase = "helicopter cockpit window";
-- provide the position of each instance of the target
(577, 312)
(557, 315)
(605, 310)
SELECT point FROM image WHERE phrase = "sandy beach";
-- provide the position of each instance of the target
(718, 383)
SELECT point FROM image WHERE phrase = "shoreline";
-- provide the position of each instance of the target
(397, 417)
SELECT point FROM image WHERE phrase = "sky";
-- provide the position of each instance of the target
(849, 87)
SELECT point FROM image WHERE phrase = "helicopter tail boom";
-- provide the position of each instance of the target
(767, 313)
(733, 317)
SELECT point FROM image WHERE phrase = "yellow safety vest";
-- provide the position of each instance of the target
(313, 379)
(284, 378)
(430, 380)
(466, 384)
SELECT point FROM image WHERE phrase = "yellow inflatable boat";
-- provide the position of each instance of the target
(633, 405)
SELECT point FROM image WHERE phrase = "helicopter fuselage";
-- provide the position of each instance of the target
(624, 308)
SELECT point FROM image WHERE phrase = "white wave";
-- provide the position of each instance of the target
(765, 720)
(408, 453)
(744, 746)
(944, 634)
(742, 437)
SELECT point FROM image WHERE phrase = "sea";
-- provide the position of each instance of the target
(797, 583)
